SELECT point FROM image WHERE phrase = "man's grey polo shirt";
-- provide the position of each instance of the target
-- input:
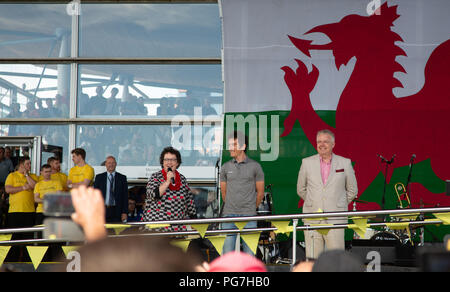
(241, 181)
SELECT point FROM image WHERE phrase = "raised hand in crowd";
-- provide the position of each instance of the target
(89, 212)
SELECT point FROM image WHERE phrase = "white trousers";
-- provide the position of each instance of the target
(316, 243)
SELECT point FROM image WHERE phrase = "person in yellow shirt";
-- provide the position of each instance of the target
(55, 163)
(19, 185)
(46, 186)
(82, 173)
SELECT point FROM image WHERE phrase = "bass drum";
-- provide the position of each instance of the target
(386, 237)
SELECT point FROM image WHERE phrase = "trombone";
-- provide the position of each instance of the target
(402, 195)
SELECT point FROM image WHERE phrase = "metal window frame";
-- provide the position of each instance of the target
(74, 61)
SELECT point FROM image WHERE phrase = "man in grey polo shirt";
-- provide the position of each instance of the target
(242, 187)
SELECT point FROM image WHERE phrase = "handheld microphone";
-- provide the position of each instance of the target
(413, 157)
(172, 180)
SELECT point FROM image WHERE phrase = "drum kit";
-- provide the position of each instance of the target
(395, 236)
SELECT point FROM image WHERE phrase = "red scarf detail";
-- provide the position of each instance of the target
(177, 185)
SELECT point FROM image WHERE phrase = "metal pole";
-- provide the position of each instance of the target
(294, 241)
(298, 216)
(194, 232)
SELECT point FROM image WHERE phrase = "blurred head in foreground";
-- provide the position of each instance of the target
(237, 262)
(134, 254)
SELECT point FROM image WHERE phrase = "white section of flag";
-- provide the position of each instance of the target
(256, 46)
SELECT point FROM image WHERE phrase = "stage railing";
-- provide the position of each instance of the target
(293, 217)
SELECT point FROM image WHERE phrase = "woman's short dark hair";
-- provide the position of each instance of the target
(170, 150)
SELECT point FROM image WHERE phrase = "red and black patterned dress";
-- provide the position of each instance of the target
(175, 204)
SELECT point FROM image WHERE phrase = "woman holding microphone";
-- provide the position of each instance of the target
(168, 194)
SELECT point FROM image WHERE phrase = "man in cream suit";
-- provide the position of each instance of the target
(326, 182)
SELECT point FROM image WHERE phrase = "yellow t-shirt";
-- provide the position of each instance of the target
(21, 202)
(59, 176)
(78, 174)
(45, 187)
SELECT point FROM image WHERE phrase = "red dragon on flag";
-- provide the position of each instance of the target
(370, 119)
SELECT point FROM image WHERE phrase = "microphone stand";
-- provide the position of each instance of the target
(408, 181)
(408, 192)
(217, 173)
(388, 162)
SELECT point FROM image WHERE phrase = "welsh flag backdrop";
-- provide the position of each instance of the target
(376, 73)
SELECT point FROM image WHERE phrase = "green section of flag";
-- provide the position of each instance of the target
(283, 172)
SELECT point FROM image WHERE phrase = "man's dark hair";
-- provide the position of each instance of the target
(79, 151)
(241, 138)
(170, 150)
(23, 159)
(53, 158)
(45, 166)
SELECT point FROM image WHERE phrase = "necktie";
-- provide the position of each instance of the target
(111, 189)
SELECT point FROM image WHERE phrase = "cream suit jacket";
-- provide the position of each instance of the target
(339, 190)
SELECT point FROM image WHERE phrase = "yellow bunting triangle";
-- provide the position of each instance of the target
(156, 225)
(409, 235)
(282, 226)
(362, 217)
(183, 244)
(3, 253)
(360, 232)
(444, 217)
(5, 237)
(251, 240)
(36, 254)
(67, 249)
(217, 242)
(201, 228)
(361, 223)
(240, 225)
(398, 225)
(322, 231)
(318, 218)
(118, 228)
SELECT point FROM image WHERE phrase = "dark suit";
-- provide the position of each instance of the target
(120, 195)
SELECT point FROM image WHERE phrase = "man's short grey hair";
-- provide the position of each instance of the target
(112, 157)
(328, 132)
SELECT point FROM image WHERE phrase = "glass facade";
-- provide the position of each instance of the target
(64, 82)
(34, 31)
(34, 91)
(150, 30)
(141, 145)
(143, 91)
